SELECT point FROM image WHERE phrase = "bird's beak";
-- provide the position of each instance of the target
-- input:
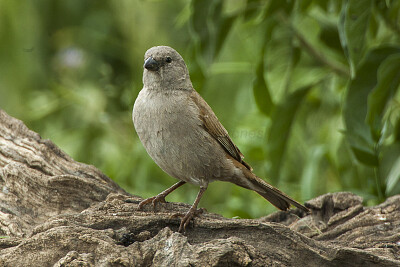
(151, 64)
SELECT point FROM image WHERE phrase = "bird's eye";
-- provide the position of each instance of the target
(168, 60)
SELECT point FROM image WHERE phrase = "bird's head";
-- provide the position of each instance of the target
(165, 69)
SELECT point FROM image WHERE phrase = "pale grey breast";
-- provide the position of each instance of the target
(168, 139)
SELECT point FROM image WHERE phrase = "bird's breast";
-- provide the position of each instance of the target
(159, 115)
(169, 128)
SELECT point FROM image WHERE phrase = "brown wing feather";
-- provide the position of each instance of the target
(216, 129)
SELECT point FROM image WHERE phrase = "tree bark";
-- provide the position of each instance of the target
(55, 211)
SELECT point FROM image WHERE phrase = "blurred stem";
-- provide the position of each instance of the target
(336, 67)
(378, 184)
(377, 178)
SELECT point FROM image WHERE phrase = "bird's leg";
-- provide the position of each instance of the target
(160, 197)
(192, 211)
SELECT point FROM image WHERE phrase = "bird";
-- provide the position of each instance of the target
(184, 137)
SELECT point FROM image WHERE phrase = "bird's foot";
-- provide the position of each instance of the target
(193, 212)
(153, 200)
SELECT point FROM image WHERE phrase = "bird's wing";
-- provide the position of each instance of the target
(216, 129)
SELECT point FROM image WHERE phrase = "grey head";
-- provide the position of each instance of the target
(165, 69)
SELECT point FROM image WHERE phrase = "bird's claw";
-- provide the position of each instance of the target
(153, 200)
(193, 212)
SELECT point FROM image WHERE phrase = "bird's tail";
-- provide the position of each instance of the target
(267, 191)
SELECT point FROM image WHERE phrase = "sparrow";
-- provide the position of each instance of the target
(184, 137)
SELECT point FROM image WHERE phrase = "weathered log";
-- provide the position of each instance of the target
(58, 212)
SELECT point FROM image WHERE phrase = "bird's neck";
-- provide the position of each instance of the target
(157, 82)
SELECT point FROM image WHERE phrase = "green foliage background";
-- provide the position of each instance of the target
(309, 90)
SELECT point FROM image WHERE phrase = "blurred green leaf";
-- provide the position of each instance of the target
(211, 26)
(353, 25)
(200, 15)
(329, 35)
(253, 8)
(296, 56)
(392, 169)
(224, 27)
(261, 92)
(393, 179)
(388, 84)
(396, 130)
(363, 152)
(276, 6)
(358, 133)
(282, 119)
